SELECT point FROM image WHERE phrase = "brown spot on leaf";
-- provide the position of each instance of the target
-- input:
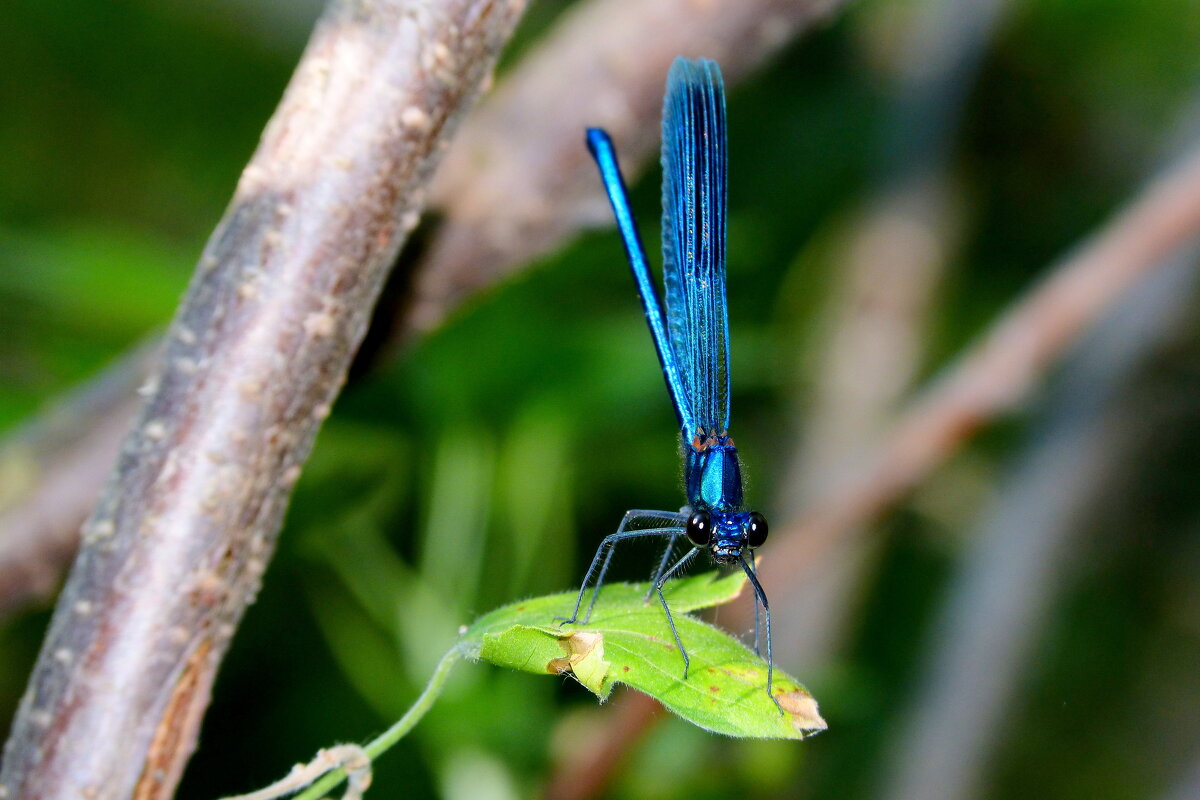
(714, 688)
(578, 646)
(747, 674)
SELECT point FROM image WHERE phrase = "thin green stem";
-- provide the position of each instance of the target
(385, 740)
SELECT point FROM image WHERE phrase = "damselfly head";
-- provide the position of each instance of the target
(725, 534)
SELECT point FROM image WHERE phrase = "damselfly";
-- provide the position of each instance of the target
(692, 341)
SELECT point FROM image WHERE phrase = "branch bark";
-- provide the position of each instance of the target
(255, 357)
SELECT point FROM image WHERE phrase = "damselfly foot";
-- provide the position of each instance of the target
(658, 587)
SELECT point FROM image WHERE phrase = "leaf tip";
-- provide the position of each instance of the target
(802, 711)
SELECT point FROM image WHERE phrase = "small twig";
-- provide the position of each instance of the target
(888, 272)
(384, 741)
(340, 762)
(349, 758)
(1018, 557)
(997, 373)
(253, 361)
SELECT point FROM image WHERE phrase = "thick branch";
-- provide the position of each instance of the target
(253, 361)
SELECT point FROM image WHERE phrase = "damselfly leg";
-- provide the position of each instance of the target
(662, 565)
(757, 615)
(761, 599)
(658, 587)
(665, 523)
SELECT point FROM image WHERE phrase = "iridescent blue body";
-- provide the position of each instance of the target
(713, 479)
(713, 475)
(691, 339)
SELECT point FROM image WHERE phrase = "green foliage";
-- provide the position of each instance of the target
(627, 641)
(727, 698)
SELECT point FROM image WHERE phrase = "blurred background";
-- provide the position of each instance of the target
(1024, 623)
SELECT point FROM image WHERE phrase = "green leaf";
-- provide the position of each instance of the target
(628, 641)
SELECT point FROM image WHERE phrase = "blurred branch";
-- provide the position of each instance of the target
(585, 771)
(994, 375)
(898, 247)
(520, 182)
(890, 264)
(1017, 558)
(53, 469)
(1188, 787)
(870, 349)
(255, 357)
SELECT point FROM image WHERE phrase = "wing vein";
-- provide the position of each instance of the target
(694, 190)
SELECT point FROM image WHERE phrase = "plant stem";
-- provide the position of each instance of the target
(384, 741)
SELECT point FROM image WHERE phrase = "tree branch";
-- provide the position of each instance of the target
(1017, 559)
(54, 468)
(254, 359)
(997, 373)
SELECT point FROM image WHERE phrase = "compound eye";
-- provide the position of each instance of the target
(756, 529)
(699, 528)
